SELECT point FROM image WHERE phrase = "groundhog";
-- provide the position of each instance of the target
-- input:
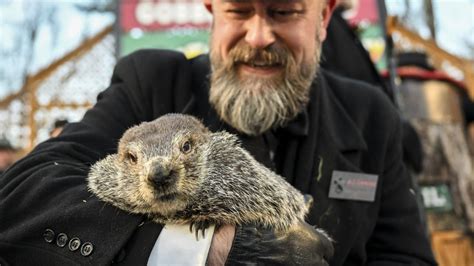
(175, 170)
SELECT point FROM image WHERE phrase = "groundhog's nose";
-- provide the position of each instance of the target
(158, 175)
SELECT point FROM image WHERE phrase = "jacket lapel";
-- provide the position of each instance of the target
(334, 141)
(339, 147)
(340, 141)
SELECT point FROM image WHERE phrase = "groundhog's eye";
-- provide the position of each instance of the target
(186, 147)
(131, 157)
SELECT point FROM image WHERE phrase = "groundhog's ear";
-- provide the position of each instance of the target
(308, 201)
(130, 134)
(225, 138)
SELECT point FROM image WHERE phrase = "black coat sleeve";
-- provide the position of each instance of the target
(47, 190)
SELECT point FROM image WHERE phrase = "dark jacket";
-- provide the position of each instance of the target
(348, 126)
(343, 53)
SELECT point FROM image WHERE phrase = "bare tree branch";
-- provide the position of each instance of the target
(407, 12)
(100, 6)
(430, 18)
(21, 51)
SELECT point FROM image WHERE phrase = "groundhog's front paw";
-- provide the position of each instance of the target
(199, 226)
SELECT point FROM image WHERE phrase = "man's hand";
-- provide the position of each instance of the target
(300, 245)
(221, 245)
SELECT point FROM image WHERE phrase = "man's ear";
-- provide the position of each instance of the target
(326, 17)
(208, 5)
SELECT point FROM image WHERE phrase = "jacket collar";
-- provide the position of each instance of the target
(298, 127)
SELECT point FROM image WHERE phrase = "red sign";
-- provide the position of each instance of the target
(364, 11)
(153, 15)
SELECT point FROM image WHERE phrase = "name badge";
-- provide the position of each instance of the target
(353, 186)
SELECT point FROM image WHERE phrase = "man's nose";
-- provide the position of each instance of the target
(259, 32)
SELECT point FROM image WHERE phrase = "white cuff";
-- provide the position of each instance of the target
(176, 245)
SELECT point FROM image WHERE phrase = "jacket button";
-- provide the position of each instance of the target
(62, 239)
(48, 235)
(86, 249)
(74, 244)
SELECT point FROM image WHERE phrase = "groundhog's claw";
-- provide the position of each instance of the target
(199, 226)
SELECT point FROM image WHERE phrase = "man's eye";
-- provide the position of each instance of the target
(283, 13)
(239, 12)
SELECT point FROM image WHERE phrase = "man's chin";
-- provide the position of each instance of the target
(251, 130)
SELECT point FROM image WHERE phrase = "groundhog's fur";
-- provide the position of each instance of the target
(216, 181)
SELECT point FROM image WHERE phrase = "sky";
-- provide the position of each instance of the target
(52, 42)
(455, 26)
(455, 23)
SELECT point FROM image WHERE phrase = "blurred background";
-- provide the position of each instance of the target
(56, 56)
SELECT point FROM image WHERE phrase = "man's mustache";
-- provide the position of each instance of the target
(274, 55)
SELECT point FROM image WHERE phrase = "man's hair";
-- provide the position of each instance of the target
(5, 145)
(60, 123)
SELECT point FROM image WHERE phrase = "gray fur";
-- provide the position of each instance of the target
(218, 182)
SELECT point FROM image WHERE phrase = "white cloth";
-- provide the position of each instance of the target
(176, 245)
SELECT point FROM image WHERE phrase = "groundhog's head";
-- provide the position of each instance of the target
(159, 165)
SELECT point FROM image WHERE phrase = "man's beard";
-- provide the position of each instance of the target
(253, 104)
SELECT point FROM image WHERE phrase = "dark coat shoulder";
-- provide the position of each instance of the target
(44, 195)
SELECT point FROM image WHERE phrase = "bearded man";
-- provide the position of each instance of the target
(333, 138)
